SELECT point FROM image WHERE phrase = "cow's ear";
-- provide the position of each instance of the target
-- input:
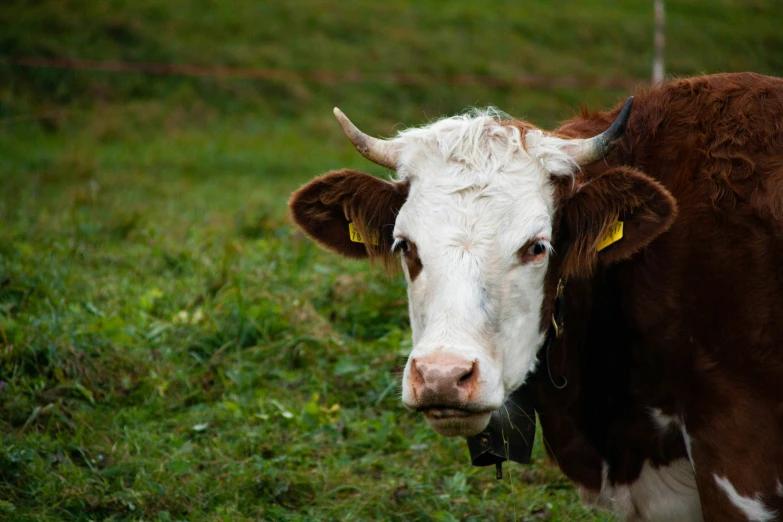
(349, 212)
(612, 216)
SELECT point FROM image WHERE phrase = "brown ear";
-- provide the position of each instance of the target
(594, 206)
(324, 207)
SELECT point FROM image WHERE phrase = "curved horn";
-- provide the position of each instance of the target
(597, 147)
(378, 151)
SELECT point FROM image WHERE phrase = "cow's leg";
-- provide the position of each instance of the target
(737, 454)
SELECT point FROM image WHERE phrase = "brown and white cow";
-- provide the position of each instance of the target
(673, 343)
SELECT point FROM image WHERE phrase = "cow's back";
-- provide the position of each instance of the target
(717, 144)
(716, 278)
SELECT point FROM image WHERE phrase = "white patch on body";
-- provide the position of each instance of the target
(779, 489)
(751, 507)
(479, 190)
(666, 493)
(662, 420)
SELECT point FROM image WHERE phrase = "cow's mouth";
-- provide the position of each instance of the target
(443, 412)
(453, 422)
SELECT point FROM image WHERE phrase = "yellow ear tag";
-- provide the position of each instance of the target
(613, 235)
(356, 237)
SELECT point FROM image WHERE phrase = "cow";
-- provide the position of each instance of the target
(655, 229)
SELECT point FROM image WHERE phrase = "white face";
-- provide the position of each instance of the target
(479, 212)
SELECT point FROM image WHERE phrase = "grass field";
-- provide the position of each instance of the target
(170, 347)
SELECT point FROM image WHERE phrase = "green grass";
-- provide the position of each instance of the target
(170, 347)
(194, 357)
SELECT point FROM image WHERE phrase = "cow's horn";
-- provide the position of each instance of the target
(382, 152)
(599, 146)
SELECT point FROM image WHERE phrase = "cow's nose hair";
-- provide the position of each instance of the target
(443, 379)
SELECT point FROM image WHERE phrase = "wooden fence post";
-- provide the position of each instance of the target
(657, 75)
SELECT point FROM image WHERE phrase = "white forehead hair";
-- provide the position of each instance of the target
(484, 142)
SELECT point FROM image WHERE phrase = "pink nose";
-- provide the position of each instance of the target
(443, 380)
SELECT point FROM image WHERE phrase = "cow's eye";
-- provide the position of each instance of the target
(533, 251)
(400, 245)
(537, 248)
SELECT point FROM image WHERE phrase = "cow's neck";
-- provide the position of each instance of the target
(596, 356)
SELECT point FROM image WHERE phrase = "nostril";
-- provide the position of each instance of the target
(470, 376)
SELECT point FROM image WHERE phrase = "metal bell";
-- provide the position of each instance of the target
(509, 434)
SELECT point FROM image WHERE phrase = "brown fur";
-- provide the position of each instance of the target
(693, 323)
(412, 261)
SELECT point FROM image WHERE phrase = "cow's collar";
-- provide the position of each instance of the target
(557, 312)
(556, 323)
(555, 332)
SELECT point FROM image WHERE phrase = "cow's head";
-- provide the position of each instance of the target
(473, 215)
